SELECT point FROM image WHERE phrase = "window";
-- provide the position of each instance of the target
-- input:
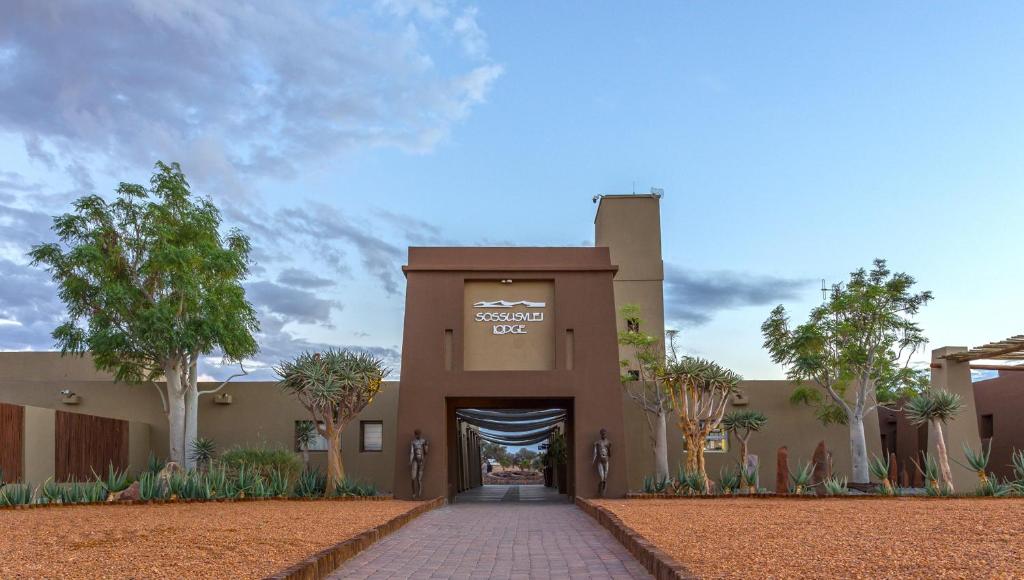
(716, 442)
(371, 436)
(307, 438)
(634, 375)
(987, 427)
(633, 325)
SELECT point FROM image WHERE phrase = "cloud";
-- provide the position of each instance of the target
(415, 230)
(692, 298)
(290, 304)
(230, 88)
(300, 278)
(29, 308)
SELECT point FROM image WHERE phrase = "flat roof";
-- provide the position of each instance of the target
(509, 259)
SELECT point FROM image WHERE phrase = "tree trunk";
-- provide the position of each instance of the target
(858, 451)
(744, 484)
(940, 447)
(191, 424)
(335, 468)
(305, 457)
(693, 446)
(176, 417)
(660, 446)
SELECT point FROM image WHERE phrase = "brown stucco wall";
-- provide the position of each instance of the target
(788, 425)
(1003, 398)
(583, 302)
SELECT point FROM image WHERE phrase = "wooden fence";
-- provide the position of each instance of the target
(85, 443)
(12, 441)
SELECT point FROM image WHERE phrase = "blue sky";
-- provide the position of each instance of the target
(794, 143)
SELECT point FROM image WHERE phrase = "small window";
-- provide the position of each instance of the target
(716, 442)
(307, 438)
(987, 427)
(371, 436)
(633, 324)
(634, 375)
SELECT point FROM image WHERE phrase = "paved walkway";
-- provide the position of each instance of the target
(498, 538)
(511, 494)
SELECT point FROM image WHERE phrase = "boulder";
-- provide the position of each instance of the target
(782, 471)
(130, 493)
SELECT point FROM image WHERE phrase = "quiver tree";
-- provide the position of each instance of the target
(334, 386)
(150, 286)
(935, 408)
(700, 390)
(854, 351)
(742, 423)
(645, 388)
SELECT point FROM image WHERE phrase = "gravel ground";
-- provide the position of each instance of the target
(208, 540)
(907, 538)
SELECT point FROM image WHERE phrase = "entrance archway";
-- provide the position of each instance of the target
(513, 421)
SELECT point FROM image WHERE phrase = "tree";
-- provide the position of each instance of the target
(743, 423)
(855, 348)
(700, 391)
(334, 386)
(645, 388)
(935, 408)
(150, 286)
(524, 458)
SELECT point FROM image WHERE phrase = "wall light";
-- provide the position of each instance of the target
(68, 397)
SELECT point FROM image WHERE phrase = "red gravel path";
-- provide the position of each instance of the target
(208, 540)
(907, 538)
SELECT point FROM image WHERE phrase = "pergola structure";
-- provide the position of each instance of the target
(1011, 349)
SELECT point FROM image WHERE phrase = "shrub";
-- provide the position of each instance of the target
(691, 482)
(311, 483)
(729, 480)
(351, 488)
(263, 460)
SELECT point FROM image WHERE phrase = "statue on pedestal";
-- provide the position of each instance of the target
(602, 453)
(418, 450)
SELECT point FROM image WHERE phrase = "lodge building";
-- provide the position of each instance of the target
(496, 339)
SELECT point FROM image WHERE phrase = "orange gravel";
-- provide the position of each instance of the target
(907, 538)
(203, 540)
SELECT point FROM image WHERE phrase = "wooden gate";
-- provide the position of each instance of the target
(85, 443)
(12, 441)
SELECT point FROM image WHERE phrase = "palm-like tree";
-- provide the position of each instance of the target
(334, 386)
(935, 407)
(742, 423)
(700, 391)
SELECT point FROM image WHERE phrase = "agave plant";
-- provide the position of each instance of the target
(149, 486)
(977, 461)
(692, 482)
(116, 480)
(154, 464)
(72, 492)
(16, 494)
(49, 491)
(197, 486)
(749, 480)
(311, 483)
(879, 467)
(729, 480)
(176, 485)
(836, 486)
(95, 492)
(801, 478)
(217, 477)
(203, 450)
(278, 483)
(245, 482)
(993, 488)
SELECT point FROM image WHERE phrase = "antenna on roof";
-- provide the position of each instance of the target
(658, 192)
(824, 291)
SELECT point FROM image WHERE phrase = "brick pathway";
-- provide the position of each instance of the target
(495, 537)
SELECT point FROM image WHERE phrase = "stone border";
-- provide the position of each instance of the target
(124, 502)
(324, 562)
(658, 563)
(813, 497)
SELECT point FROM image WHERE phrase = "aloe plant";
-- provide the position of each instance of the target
(72, 492)
(16, 494)
(278, 483)
(244, 482)
(930, 471)
(49, 491)
(149, 486)
(311, 483)
(977, 461)
(993, 488)
(154, 464)
(202, 452)
(115, 481)
(879, 467)
(749, 479)
(176, 485)
(729, 480)
(801, 478)
(836, 486)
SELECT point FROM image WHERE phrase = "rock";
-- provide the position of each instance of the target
(170, 469)
(752, 466)
(782, 471)
(129, 493)
(822, 468)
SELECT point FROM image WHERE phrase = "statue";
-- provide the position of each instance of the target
(602, 452)
(418, 461)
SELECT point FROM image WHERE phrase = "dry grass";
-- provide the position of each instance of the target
(840, 538)
(203, 540)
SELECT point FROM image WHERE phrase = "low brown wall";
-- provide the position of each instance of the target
(658, 563)
(326, 561)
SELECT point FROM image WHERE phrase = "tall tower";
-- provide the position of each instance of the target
(630, 227)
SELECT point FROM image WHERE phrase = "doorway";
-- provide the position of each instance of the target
(496, 448)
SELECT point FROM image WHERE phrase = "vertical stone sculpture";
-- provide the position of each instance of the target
(418, 450)
(822, 468)
(602, 455)
(893, 471)
(782, 471)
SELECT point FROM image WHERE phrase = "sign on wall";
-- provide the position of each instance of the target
(508, 326)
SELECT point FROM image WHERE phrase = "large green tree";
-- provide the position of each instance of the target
(853, 353)
(334, 386)
(151, 285)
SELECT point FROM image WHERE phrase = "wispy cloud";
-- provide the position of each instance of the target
(693, 298)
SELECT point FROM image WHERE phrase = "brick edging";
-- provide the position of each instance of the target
(324, 562)
(658, 563)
